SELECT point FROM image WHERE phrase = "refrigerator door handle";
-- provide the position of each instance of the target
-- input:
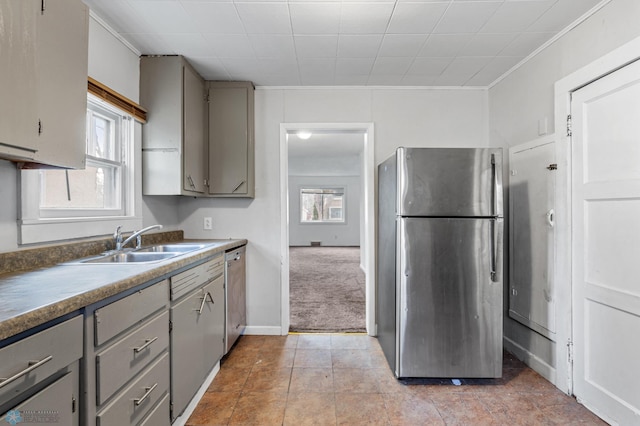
(496, 175)
(496, 236)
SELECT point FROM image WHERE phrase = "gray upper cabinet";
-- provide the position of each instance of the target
(231, 139)
(43, 81)
(174, 141)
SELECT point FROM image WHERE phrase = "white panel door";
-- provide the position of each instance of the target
(532, 184)
(606, 245)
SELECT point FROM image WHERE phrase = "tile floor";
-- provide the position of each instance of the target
(344, 380)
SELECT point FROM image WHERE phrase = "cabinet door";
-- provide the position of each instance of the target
(187, 350)
(61, 58)
(214, 325)
(57, 403)
(231, 155)
(19, 123)
(194, 140)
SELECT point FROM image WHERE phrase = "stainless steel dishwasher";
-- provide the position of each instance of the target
(235, 295)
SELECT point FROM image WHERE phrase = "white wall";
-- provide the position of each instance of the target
(527, 95)
(401, 116)
(328, 234)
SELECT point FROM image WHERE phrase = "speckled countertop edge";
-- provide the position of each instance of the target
(29, 299)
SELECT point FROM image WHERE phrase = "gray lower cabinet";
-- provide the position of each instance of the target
(40, 376)
(197, 329)
(127, 351)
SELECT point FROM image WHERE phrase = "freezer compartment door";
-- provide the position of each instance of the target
(449, 182)
(449, 298)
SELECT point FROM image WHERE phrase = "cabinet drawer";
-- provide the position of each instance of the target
(160, 415)
(125, 358)
(137, 399)
(190, 279)
(125, 313)
(53, 349)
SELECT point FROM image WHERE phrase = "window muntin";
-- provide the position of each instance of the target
(99, 190)
(322, 205)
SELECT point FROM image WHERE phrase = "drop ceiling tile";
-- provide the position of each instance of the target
(401, 45)
(466, 17)
(561, 14)
(358, 46)
(486, 44)
(365, 18)
(277, 79)
(164, 16)
(384, 66)
(385, 80)
(189, 44)
(265, 18)
(230, 45)
(149, 44)
(350, 80)
(465, 67)
(273, 46)
(219, 18)
(237, 66)
(418, 80)
(526, 43)
(316, 71)
(445, 45)
(429, 66)
(209, 68)
(315, 18)
(354, 66)
(415, 18)
(514, 16)
(121, 16)
(493, 70)
(276, 66)
(316, 46)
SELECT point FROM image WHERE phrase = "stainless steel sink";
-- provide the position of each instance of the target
(131, 257)
(171, 248)
(142, 255)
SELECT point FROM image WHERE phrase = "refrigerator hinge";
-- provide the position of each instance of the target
(570, 352)
(569, 129)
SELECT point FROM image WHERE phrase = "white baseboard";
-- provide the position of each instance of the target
(536, 363)
(181, 420)
(260, 330)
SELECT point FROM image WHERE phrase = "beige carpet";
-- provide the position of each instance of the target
(326, 289)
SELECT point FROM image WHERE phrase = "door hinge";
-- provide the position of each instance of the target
(73, 404)
(569, 128)
(552, 166)
(170, 326)
(570, 352)
(39, 127)
(43, 6)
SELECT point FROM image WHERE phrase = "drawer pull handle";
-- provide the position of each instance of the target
(204, 299)
(147, 392)
(32, 366)
(147, 342)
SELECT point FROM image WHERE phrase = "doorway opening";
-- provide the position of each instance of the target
(327, 228)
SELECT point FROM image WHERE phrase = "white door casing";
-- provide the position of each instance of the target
(605, 228)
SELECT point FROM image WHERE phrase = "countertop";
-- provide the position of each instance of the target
(32, 298)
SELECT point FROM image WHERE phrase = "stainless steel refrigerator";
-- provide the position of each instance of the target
(439, 262)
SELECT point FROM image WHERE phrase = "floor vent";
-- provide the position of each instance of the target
(315, 243)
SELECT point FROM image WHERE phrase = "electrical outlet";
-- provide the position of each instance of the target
(207, 224)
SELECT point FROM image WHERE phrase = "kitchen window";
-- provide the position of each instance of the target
(322, 205)
(62, 204)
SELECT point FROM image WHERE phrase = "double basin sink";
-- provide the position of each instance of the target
(145, 254)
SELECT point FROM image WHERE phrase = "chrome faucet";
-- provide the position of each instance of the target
(117, 236)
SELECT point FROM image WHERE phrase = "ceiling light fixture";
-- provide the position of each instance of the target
(303, 134)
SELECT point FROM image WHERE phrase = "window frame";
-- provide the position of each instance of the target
(37, 225)
(340, 188)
